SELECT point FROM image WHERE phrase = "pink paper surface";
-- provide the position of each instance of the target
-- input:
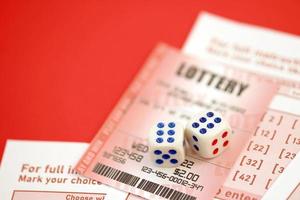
(170, 86)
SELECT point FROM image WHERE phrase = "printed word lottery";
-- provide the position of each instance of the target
(119, 154)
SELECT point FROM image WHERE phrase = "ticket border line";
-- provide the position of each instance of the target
(298, 185)
(46, 191)
(284, 112)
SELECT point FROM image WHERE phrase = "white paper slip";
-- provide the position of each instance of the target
(44, 171)
(276, 55)
(253, 48)
(287, 185)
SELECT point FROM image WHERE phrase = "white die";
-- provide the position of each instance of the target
(166, 144)
(208, 134)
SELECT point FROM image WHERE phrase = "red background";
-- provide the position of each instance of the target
(64, 64)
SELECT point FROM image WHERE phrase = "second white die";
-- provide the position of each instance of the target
(208, 134)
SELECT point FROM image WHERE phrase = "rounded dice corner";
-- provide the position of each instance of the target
(208, 134)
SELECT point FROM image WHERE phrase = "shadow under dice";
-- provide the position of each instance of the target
(166, 144)
(208, 134)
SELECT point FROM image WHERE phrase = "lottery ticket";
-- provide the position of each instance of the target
(174, 86)
(276, 55)
(32, 170)
(287, 185)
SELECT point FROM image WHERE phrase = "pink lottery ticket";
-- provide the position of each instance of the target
(173, 85)
(276, 140)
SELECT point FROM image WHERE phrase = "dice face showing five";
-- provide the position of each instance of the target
(166, 144)
(208, 134)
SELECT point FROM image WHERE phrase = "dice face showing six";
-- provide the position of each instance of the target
(166, 144)
(208, 134)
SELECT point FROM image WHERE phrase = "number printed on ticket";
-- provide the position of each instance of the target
(276, 140)
(176, 86)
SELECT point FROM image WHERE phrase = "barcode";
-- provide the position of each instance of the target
(116, 174)
(163, 191)
(148, 186)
